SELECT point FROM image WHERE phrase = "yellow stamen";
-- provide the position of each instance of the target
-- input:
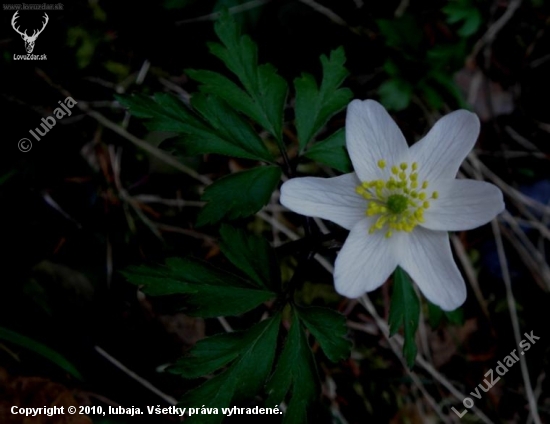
(397, 203)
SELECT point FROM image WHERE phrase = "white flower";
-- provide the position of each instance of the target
(399, 203)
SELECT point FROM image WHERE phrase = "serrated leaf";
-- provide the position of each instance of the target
(295, 371)
(231, 135)
(251, 254)
(264, 94)
(210, 291)
(332, 152)
(329, 329)
(217, 391)
(395, 94)
(244, 378)
(212, 353)
(226, 132)
(164, 112)
(209, 355)
(40, 349)
(405, 310)
(239, 195)
(213, 82)
(315, 105)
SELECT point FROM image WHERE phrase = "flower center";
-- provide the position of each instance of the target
(399, 202)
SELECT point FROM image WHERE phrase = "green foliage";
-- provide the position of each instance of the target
(222, 131)
(84, 43)
(403, 33)
(177, 4)
(252, 255)
(416, 68)
(263, 93)
(210, 354)
(332, 152)
(395, 93)
(405, 310)
(329, 328)
(210, 291)
(163, 112)
(218, 121)
(239, 195)
(233, 136)
(40, 349)
(463, 11)
(315, 105)
(295, 372)
(251, 354)
(247, 16)
(436, 314)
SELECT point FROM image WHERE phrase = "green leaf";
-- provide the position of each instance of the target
(252, 255)
(226, 132)
(436, 314)
(40, 349)
(395, 94)
(450, 86)
(244, 378)
(405, 310)
(431, 95)
(239, 195)
(210, 291)
(447, 58)
(295, 371)
(264, 94)
(332, 152)
(208, 355)
(330, 330)
(217, 391)
(315, 106)
(223, 87)
(164, 112)
(212, 353)
(463, 11)
(455, 317)
(403, 33)
(230, 134)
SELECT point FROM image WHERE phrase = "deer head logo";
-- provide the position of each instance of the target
(29, 40)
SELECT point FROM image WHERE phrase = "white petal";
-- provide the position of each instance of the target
(440, 153)
(428, 259)
(334, 199)
(365, 261)
(371, 135)
(462, 205)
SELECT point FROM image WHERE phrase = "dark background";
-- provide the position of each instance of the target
(72, 216)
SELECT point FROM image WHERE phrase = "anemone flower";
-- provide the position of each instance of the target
(399, 203)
